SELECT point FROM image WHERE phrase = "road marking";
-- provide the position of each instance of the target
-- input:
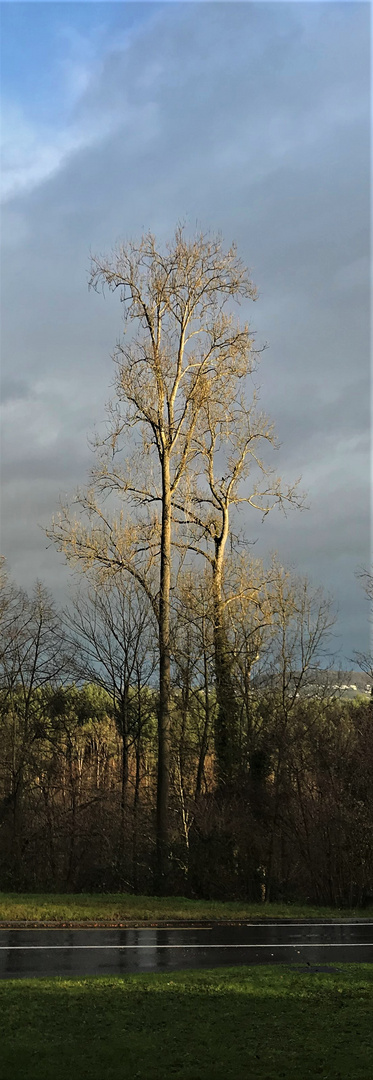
(287, 945)
(66, 929)
(172, 929)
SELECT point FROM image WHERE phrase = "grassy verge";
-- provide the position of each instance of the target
(123, 907)
(236, 1024)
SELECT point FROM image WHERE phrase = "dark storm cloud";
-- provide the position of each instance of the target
(252, 119)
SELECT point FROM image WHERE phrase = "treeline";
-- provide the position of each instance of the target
(79, 702)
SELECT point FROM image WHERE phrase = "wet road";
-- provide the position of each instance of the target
(26, 953)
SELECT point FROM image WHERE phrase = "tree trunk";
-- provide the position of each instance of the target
(124, 763)
(164, 684)
(226, 718)
(136, 797)
(206, 728)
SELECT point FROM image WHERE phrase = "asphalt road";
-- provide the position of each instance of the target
(28, 953)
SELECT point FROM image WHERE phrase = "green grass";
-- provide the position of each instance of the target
(123, 907)
(255, 1023)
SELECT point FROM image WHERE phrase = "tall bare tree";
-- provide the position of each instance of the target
(182, 352)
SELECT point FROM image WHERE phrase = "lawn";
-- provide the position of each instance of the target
(123, 907)
(257, 1023)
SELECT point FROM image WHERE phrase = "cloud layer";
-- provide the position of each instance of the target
(248, 118)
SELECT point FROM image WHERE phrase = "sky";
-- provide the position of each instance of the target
(251, 119)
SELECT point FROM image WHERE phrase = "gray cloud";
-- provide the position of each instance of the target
(13, 389)
(252, 119)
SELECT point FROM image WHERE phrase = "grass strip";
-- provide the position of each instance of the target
(267, 1023)
(123, 907)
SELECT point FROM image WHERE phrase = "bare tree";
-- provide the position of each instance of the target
(186, 355)
(249, 624)
(292, 669)
(13, 606)
(113, 628)
(365, 659)
(33, 655)
(193, 652)
(232, 473)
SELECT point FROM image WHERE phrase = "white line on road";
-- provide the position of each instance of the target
(172, 929)
(287, 945)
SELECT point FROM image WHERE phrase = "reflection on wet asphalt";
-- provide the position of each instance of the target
(29, 953)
